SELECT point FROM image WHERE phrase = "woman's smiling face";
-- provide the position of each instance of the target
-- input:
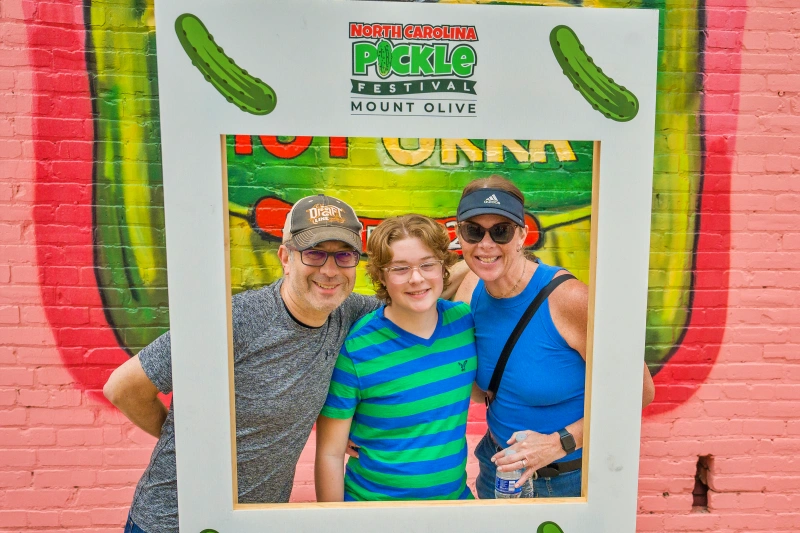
(487, 259)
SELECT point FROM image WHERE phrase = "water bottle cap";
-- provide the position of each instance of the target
(509, 451)
(520, 436)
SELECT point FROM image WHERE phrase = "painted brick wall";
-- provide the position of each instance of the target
(68, 462)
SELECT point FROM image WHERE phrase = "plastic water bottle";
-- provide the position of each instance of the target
(504, 481)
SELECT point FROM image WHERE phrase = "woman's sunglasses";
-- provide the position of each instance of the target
(473, 233)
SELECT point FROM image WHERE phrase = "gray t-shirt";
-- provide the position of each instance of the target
(281, 374)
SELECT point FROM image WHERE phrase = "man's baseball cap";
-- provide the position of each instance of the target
(491, 202)
(320, 218)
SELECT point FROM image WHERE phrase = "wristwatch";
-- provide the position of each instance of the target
(567, 440)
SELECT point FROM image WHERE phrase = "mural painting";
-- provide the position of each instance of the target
(114, 196)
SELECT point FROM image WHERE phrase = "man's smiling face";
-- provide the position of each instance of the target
(317, 290)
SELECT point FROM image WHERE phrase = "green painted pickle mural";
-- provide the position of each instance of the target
(380, 177)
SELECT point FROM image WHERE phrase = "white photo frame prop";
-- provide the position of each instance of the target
(303, 51)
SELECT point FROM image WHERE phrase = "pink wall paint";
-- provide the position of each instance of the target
(69, 462)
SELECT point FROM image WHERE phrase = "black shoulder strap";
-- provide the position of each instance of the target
(494, 384)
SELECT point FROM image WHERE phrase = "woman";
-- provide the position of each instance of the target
(401, 387)
(542, 390)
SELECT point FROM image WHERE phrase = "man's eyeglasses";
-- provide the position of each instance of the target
(401, 274)
(317, 258)
(473, 233)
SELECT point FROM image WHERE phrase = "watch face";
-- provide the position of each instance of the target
(567, 441)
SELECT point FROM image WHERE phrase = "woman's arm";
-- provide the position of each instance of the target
(569, 308)
(332, 434)
(649, 389)
(477, 395)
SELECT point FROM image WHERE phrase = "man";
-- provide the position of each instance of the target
(286, 338)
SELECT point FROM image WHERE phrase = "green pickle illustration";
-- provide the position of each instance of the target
(248, 93)
(549, 527)
(384, 58)
(603, 94)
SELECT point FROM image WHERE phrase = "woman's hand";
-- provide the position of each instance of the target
(535, 451)
(352, 449)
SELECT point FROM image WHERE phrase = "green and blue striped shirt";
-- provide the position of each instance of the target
(408, 398)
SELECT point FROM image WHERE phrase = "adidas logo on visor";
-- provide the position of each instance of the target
(492, 200)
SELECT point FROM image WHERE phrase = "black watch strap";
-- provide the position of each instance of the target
(567, 441)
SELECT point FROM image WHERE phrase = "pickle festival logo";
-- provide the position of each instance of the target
(413, 70)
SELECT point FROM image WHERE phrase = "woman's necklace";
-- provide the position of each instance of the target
(514, 288)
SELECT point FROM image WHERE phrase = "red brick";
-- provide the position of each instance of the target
(69, 457)
(731, 409)
(29, 437)
(126, 457)
(65, 398)
(785, 446)
(26, 336)
(782, 351)
(43, 518)
(127, 477)
(14, 480)
(754, 371)
(113, 435)
(38, 499)
(779, 409)
(750, 521)
(60, 417)
(691, 522)
(64, 478)
(728, 483)
(95, 497)
(17, 458)
(13, 417)
(9, 315)
(10, 376)
(34, 356)
(764, 427)
(8, 397)
(782, 502)
(111, 516)
(80, 437)
(665, 504)
(15, 519)
(79, 518)
(33, 398)
(53, 376)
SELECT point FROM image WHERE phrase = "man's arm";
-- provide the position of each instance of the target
(332, 436)
(467, 287)
(457, 274)
(131, 391)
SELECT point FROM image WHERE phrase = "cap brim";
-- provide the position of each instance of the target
(469, 213)
(312, 237)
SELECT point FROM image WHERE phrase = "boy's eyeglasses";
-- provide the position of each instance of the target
(501, 233)
(317, 258)
(428, 270)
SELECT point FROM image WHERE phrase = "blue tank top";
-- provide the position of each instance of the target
(545, 379)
